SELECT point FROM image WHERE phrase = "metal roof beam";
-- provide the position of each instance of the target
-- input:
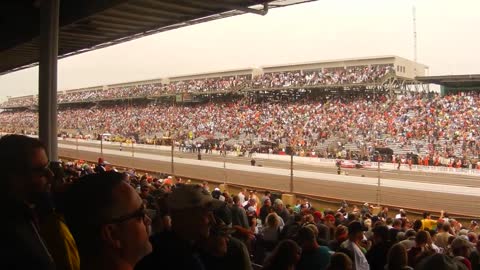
(115, 19)
(140, 10)
(261, 12)
(100, 23)
(134, 16)
(174, 7)
(75, 33)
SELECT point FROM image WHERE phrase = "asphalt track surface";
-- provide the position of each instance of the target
(458, 194)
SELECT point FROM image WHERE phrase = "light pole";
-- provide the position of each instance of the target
(377, 153)
(290, 149)
(133, 149)
(224, 153)
(172, 169)
(101, 145)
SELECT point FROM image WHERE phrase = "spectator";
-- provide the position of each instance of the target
(26, 206)
(146, 197)
(340, 261)
(190, 208)
(355, 236)
(428, 223)
(108, 220)
(442, 237)
(377, 255)
(397, 258)
(440, 262)
(222, 251)
(265, 209)
(281, 210)
(409, 241)
(284, 257)
(271, 231)
(461, 249)
(313, 255)
(239, 216)
(421, 249)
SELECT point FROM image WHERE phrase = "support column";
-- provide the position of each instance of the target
(47, 72)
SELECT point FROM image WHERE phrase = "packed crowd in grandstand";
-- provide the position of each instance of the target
(70, 215)
(333, 76)
(441, 130)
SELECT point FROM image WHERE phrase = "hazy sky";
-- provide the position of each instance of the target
(448, 42)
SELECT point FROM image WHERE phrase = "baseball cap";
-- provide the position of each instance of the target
(355, 227)
(191, 196)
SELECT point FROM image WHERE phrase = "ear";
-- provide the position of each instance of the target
(109, 234)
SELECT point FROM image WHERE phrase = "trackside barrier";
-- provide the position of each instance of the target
(292, 196)
(296, 159)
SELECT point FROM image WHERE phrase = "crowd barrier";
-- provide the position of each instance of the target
(297, 159)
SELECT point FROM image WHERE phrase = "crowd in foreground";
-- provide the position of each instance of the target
(442, 129)
(286, 79)
(88, 216)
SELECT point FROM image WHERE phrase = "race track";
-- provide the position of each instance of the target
(458, 194)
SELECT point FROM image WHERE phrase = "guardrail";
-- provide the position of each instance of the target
(302, 160)
(310, 197)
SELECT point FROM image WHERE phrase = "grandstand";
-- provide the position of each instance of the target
(453, 84)
(314, 75)
(343, 108)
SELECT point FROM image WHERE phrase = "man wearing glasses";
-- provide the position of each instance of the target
(108, 220)
(191, 211)
(24, 180)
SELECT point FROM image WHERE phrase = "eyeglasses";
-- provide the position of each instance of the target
(141, 213)
(43, 170)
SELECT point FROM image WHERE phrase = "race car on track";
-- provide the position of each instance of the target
(353, 164)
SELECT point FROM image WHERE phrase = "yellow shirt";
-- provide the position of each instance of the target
(429, 224)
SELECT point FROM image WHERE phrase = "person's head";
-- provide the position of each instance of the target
(397, 224)
(272, 221)
(472, 237)
(278, 204)
(461, 246)
(25, 167)
(422, 238)
(397, 257)
(341, 233)
(267, 203)
(417, 225)
(329, 220)
(340, 261)
(308, 218)
(145, 190)
(306, 237)
(217, 242)
(107, 219)
(380, 234)
(285, 255)
(446, 227)
(236, 200)
(191, 210)
(355, 231)
(426, 215)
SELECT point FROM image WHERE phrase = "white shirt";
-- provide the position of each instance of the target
(360, 261)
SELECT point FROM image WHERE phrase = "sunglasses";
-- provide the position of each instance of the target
(140, 213)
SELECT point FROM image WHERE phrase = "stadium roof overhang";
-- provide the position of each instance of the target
(89, 25)
(452, 81)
